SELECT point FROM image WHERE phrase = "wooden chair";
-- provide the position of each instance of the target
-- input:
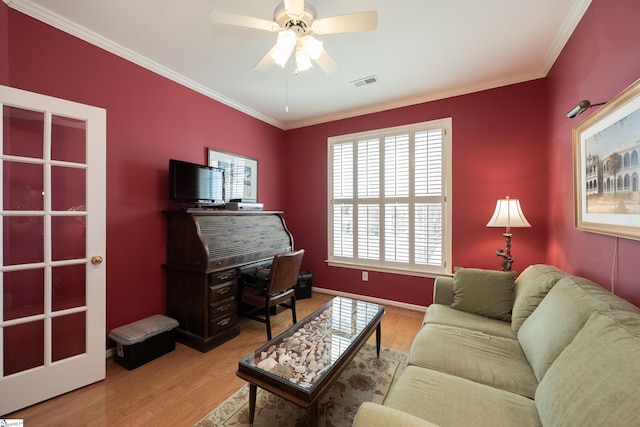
(276, 289)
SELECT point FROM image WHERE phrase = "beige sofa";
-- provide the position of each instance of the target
(545, 349)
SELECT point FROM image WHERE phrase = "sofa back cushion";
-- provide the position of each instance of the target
(595, 380)
(559, 317)
(552, 326)
(485, 292)
(532, 285)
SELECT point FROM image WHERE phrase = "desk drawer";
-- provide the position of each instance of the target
(222, 323)
(221, 308)
(222, 276)
(222, 291)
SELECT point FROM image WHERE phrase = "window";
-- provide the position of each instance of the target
(389, 199)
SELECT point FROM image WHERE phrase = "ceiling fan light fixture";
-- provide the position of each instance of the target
(295, 21)
(303, 61)
(284, 46)
(312, 46)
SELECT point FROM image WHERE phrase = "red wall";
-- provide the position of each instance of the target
(499, 149)
(149, 120)
(4, 43)
(600, 60)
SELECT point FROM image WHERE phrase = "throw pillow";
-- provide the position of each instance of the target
(485, 292)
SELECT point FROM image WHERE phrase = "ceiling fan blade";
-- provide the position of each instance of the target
(266, 62)
(364, 21)
(326, 62)
(294, 8)
(219, 17)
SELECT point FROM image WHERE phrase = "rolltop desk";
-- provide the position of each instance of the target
(207, 251)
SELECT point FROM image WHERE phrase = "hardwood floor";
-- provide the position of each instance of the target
(181, 387)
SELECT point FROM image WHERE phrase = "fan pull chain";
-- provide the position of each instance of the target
(286, 89)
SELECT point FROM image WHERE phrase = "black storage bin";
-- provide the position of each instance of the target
(303, 287)
(142, 341)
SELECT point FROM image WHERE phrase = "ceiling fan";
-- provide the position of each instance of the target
(296, 24)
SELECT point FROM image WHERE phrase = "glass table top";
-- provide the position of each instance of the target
(303, 354)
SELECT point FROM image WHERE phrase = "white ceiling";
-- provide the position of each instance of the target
(422, 50)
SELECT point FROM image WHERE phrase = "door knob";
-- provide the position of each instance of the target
(96, 260)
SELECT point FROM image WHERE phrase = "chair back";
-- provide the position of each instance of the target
(284, 272)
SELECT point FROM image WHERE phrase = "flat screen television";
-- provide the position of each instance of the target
(197, 185)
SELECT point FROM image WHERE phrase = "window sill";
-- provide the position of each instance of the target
(404, 272)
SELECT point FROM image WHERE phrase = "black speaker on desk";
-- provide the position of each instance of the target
(303, 287)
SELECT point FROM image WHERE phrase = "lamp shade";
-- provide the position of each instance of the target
(508, 214)
(284, 46)
(307, 48)
(303, 62)
(312, 46)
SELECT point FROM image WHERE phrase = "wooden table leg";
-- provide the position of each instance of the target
(252, 402)
(313, 413)
(378, 338)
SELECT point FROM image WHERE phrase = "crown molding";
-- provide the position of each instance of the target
(48, 17)
(561, 39)
(414, 100)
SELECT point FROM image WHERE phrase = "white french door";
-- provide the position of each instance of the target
(52, 225)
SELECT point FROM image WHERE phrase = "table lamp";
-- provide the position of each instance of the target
(507, 214)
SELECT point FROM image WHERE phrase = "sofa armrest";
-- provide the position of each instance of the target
(443, 290)
(372, 414)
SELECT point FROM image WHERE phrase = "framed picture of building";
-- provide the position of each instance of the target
(606, 157)
(240, 175)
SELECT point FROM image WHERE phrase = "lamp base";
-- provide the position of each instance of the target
(506, 254)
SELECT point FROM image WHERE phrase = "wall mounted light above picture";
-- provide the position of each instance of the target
(582, 106)
(508, 214)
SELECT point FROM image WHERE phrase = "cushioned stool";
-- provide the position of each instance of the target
(142, 341)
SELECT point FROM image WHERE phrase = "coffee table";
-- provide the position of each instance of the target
(302, 362)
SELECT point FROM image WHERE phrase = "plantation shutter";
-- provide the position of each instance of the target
(388, 206)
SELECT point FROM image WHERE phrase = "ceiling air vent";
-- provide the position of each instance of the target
(365, 81)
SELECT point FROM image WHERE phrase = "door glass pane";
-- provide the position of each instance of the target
(69, 288)
(23, 293)
(68, 139)
(68, 336)
(23, 241)
(67, 238)
(22, 186)
(23, 347)
(68, 189)
(23, 132)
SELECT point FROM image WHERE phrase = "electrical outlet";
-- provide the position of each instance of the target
(365, 276)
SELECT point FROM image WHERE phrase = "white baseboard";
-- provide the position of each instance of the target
(110, 351)
(370, 299)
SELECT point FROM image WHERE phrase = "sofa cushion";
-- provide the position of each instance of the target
(485, 292)
(495, 361)
(595, 380)
(370, 414)
(445, 315)
(598, 292)
(555, 322)
(559, 317)
(532, 285)
(447, 400)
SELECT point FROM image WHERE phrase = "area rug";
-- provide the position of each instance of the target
(366, 379)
